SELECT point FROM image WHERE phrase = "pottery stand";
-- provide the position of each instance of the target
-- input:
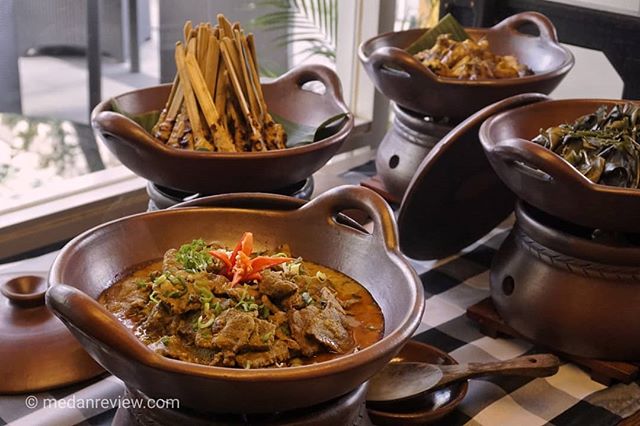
(348, 410)
(408, 141)
(568, 288)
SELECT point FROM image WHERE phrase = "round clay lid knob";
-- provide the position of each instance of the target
(25, 291)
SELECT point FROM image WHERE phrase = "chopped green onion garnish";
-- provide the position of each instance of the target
(203, 324)
(306, 297)
(154, 297)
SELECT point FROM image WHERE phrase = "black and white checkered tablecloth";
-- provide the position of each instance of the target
(451, 285)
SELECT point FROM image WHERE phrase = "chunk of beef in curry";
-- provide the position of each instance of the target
(192, 306)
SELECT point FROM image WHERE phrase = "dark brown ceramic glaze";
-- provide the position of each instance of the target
(37, 352)
(348, 410)
(403, 148)
(455, 196)
(215, 173)
(546, 180)
(89, 263)
(404, 80)
(567, 292)
(433, 406)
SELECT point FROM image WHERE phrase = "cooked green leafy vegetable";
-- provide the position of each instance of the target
(603, 146)
(194, 256)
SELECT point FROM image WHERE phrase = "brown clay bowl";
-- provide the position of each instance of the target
(90, 263)
(544, 179)
(216, 173)
(555, 286)
(431, 406)
(404, 80)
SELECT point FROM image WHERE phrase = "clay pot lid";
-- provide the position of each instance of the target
(455, 197)
(37, 352)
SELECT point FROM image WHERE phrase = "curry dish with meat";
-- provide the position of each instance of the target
(206, 304)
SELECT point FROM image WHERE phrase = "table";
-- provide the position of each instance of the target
(451, 285)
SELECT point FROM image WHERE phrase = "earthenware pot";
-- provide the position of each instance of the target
(403, 148)
(559, 288)
(87, 265)
(544, 179)
(404, 80)
(216, 172)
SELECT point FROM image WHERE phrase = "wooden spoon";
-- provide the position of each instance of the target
(403, 380)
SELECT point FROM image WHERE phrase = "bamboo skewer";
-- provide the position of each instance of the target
(274, 134)
(249, 86)
(190, 100)
(254, 77)
(256, 137)
(216, 102)
(212, 65)
(225, 26)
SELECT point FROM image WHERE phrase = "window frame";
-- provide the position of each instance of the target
(51, 215)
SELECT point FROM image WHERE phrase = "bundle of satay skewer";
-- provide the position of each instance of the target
(216, 102)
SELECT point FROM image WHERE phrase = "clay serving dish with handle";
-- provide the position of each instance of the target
(217, 173)
(544, 179)
(91, 262)
(404, 80)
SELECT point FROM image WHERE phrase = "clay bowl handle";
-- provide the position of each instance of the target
(127, 131)
(87, 316)
(544, 25)
(397, 66)
(329, 205)
(538, 162)
(300, 75)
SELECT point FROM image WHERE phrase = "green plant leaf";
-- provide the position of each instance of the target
(447, 25)
(146, 120)
(317, 16)
(301, 134)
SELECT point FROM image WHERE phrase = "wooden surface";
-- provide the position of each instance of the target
(606, 372)
(375, 184)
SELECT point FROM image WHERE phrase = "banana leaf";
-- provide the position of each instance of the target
(447, 25)
(300, 134)
(146, 120)
(297, 134)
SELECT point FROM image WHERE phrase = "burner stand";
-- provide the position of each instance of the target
(406, 144)
(161, 197)
(348, 410)
(569, 288)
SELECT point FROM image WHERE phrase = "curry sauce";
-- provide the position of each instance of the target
(207, 304)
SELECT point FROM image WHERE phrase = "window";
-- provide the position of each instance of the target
(53, 175)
